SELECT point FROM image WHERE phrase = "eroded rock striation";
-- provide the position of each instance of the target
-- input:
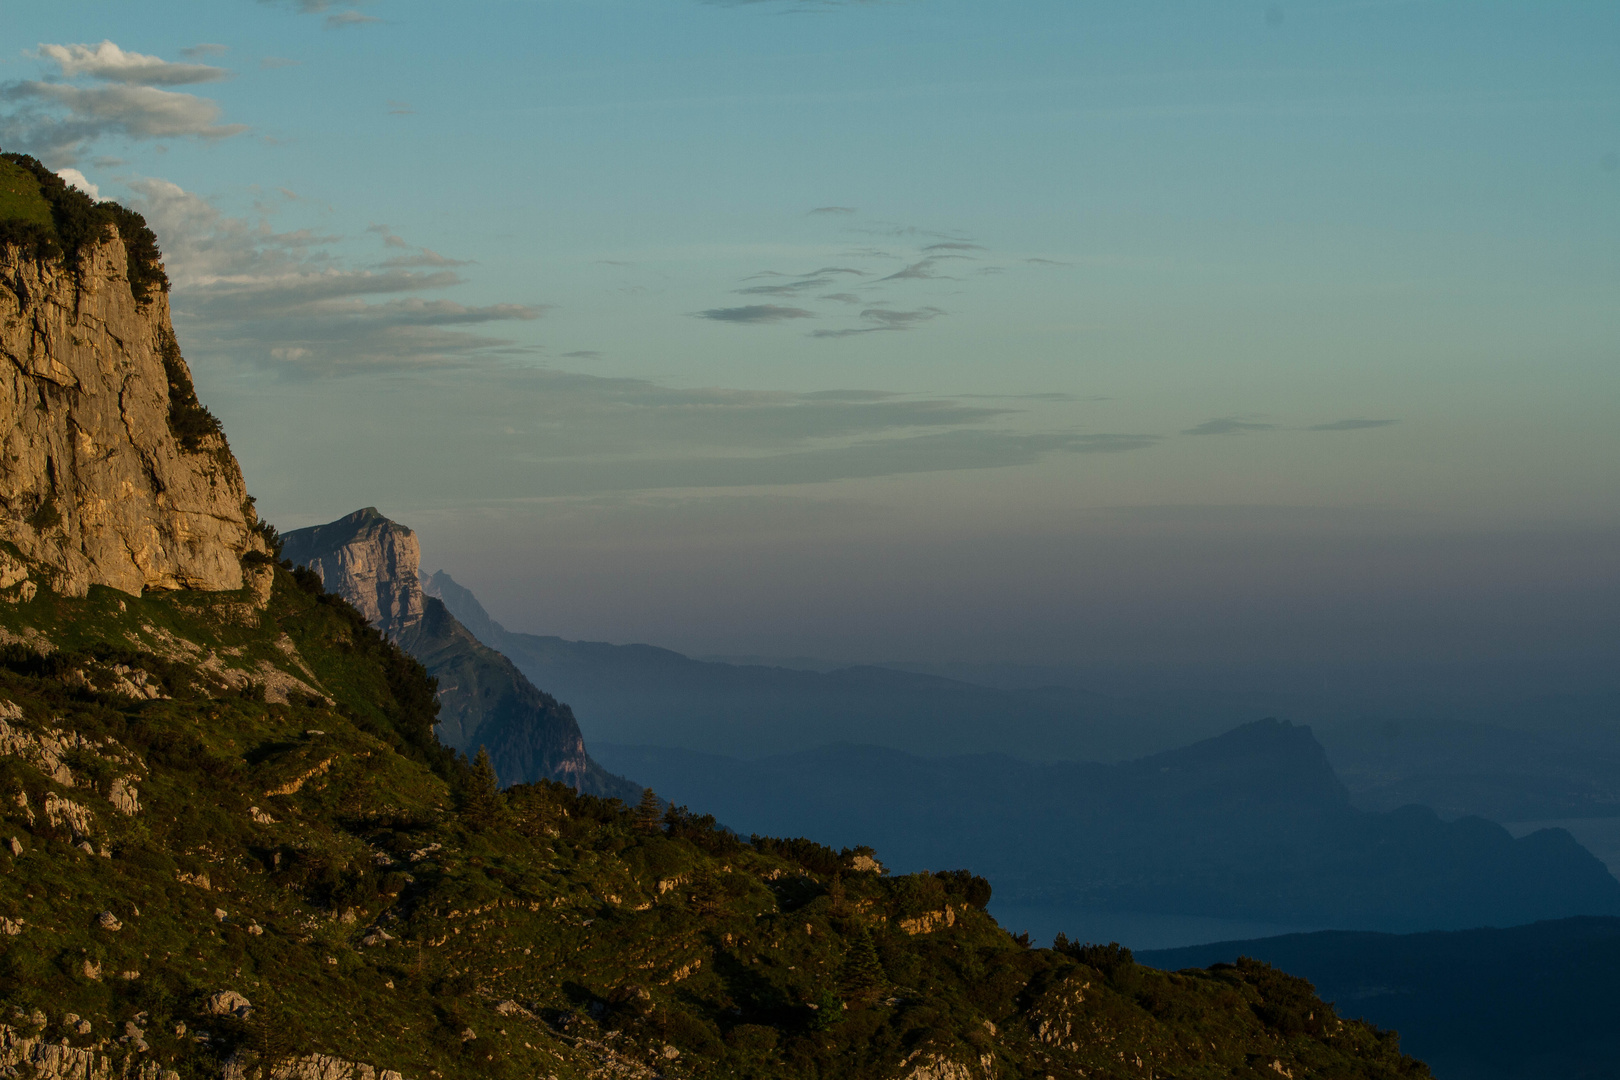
(110, 473)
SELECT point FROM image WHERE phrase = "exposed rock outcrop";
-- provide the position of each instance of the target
(484, 700)
(370, 561)
(97, 485)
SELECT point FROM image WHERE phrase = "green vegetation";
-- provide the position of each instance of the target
(189, 420)
(20, 200)
(310, 846)
(42, 213)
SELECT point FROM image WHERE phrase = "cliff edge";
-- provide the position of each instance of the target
(111, 473)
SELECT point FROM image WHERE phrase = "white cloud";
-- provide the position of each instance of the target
(58, 120)
(109, 63)
(76, 179)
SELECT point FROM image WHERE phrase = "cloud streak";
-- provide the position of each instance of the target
(755, 314)
(1228, 426)
(284, 300)
(1351, 425)
(883, 319)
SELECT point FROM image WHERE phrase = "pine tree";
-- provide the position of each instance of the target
(482, 802)
(649, 814)
(839, 905)
(860, 977)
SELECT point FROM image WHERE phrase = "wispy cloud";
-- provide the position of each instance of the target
(337, 20)
(816, 279)
(109, 63)
(1351, 425)
(546, 434)
(285, 300)
(58, 120)
(884, 319)
(1228, 426)
(204, 48)
(756, 313)
(349, 18)
(834, 210)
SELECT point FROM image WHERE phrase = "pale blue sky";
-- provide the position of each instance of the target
(1155, 330)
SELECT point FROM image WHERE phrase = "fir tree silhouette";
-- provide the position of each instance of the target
(860, 977)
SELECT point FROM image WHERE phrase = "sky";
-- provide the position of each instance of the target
(1156, 335)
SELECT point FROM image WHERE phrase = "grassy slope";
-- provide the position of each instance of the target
(616, 941)
(20, 199)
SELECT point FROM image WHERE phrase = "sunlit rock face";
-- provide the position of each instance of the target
(370, 561)
(96, 485)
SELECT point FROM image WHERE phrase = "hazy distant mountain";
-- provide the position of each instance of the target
(1474, 768)
(484, 700)
(644, 694)
(1252, 824)
(1525, 1003)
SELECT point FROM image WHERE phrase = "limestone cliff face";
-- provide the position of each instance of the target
(370, 561)
(96, 486)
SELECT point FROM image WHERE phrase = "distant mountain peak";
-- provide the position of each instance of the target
(370, 560)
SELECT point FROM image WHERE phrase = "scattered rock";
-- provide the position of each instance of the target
(220, 914)
(230, 1003)
(512, 1008)
(92, 971)
(109, 921)
(199, 880)
(468, 1035)
(670, 1052)
(129, 976)
(255, 929)
(16, 846)
(260, 817)
(10, 927)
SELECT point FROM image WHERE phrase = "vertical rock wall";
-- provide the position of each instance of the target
(370, 561)
(95, 486)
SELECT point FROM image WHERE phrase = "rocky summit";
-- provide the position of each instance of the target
(232, 845)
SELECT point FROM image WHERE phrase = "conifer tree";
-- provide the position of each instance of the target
(835, 896)
(649, 814)
(860, 977)
(482, 802)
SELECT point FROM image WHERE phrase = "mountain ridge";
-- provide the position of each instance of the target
(485, 701)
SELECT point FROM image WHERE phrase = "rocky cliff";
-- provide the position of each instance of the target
(484, 700)
(111, 473)
(370, 561)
